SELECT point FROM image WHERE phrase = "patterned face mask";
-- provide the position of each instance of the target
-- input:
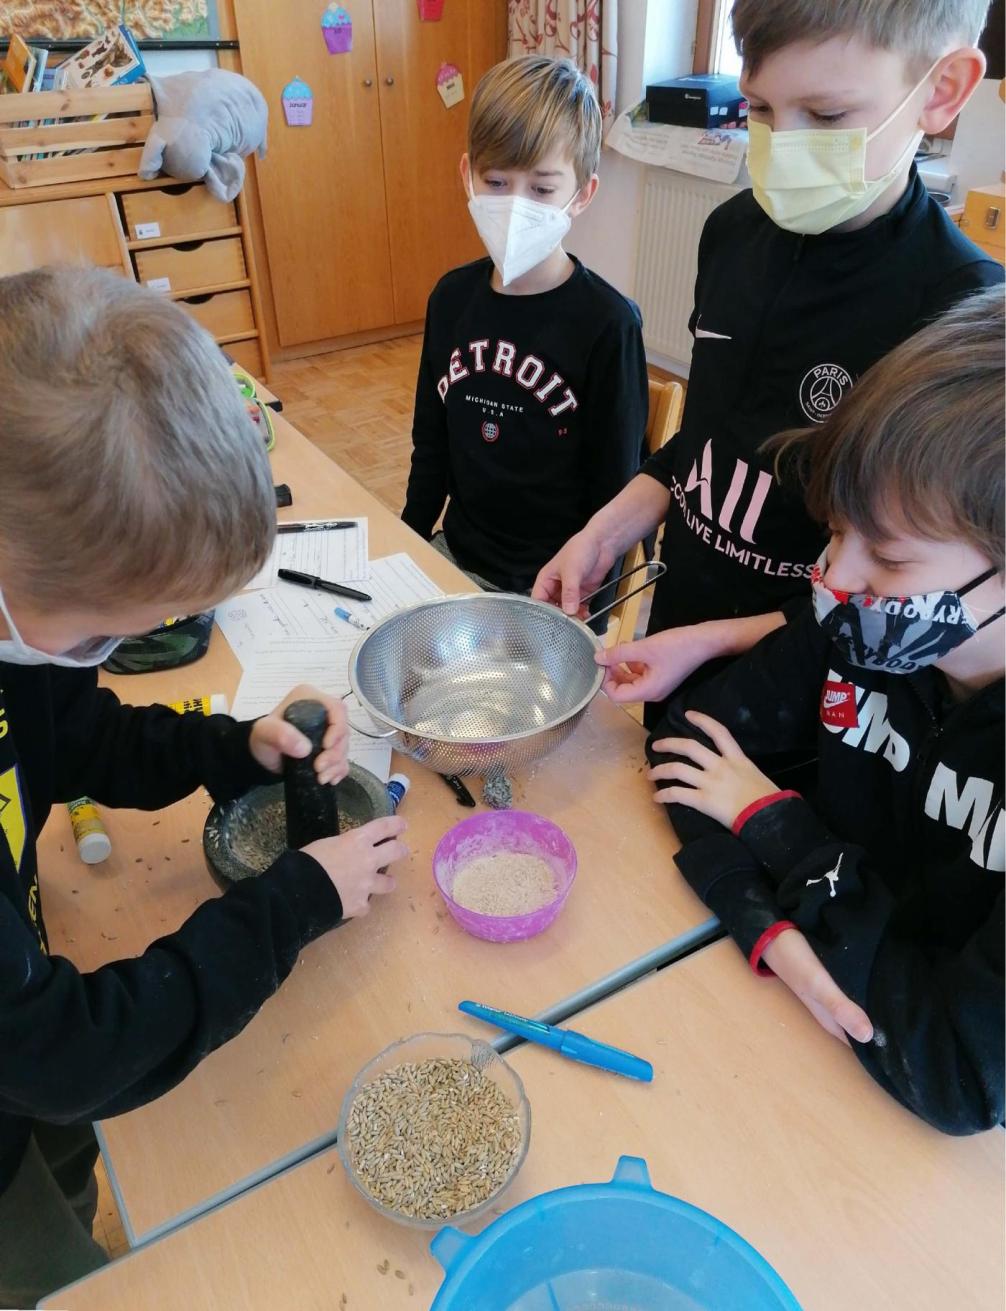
(895, 634)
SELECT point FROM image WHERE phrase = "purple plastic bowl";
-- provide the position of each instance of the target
(505, 830)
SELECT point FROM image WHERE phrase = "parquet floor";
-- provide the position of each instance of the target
(357, 406)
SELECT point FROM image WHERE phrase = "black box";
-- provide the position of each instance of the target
(699, 100)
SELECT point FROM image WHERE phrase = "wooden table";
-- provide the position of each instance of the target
(755, 1115)
(272, 1095)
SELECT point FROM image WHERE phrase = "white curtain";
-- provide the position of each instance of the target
(582, 30)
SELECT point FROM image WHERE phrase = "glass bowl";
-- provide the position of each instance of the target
(430, 1046)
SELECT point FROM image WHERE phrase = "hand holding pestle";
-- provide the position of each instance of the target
(311, 808)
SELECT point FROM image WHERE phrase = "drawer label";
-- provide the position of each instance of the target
(146, 230)
(159, 284)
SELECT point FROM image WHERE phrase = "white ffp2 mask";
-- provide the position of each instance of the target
(14, 650)
(518, 233)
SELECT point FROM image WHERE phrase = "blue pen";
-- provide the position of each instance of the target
(346, 617)
(577, 1046)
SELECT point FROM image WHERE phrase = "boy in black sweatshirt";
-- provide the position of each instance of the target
(879, 901)
(531, 401)
(836, 255)
(131, 487)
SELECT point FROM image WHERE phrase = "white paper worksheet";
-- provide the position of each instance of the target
(295, 614)
(324, 663)
(339, 555)
(287, 635)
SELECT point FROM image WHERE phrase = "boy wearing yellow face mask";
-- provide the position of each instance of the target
(835, 256)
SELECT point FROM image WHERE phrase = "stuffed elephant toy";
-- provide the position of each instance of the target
(206, 123)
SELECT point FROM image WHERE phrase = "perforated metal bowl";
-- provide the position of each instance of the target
(480, 684)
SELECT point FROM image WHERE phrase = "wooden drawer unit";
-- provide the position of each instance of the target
(81, 231)
(224, 313)
(192, 265)
(186, 210)
(248, 354)
(984, 219)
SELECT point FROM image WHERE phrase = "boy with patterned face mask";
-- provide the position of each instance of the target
(835, 256)
(879, 901)
(532, 394)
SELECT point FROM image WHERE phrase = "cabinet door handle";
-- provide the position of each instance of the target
(368, 82)
(389, 81)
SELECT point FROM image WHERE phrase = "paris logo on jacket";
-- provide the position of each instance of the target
(822, 388)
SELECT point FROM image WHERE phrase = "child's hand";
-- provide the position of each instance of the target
(355, 860)
(791, 957)
(719, 785)
(650, 669)
(579, 569)
(272, 737)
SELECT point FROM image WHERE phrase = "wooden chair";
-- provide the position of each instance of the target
(663, 421)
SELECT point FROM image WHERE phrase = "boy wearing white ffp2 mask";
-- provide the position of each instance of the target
(532, 394)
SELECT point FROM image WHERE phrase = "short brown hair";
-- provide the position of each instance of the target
(921, 29)
(920, 436)
(523, 108)
(129, 469)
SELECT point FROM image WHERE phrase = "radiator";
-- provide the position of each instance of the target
(675, 206)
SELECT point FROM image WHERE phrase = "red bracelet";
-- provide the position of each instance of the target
(762, 945)
(760, 804)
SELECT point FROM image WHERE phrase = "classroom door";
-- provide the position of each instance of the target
(321, 187)
(428, 222)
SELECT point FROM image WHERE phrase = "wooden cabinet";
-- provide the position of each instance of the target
(364, 210)
(983, 219)
(173, 237)
(83, 230)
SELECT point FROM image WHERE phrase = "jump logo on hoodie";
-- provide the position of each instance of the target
(968, 805)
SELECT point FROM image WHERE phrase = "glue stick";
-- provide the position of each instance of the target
(398, 785)
(201, 705)
(92, 841)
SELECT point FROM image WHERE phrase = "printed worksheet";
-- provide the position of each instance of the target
(292, 614)
(338, 555)
(324, 663)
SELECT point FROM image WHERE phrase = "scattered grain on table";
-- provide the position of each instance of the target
(504, 883)
(432, 1139)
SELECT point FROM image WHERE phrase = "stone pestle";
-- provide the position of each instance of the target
(311, 808)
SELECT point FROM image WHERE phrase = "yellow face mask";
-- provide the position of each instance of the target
(812, 179)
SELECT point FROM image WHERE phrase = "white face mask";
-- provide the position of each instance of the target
(518, 233)
(14, 650)
(812, 179)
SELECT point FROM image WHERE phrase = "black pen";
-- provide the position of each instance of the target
(327, 526)
(455, 784)
(322, 584)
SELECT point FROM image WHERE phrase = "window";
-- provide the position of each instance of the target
(714, 42)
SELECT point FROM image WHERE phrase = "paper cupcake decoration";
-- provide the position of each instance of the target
(298, 103)
(431, 11)
(450, 84)
(337, 28)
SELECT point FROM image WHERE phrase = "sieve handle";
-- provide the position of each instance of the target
(661, 569)
(377, 737)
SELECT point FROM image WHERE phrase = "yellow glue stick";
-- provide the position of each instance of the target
(92, 841)
(201, 705)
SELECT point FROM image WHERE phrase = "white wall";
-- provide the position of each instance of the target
(979, 144)
(655, 39)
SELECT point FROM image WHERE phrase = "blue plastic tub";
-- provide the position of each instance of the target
(619, 1246)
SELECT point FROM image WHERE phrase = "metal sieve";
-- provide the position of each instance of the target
(479, 684)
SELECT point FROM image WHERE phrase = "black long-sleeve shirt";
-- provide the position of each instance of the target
(530, 415)
(894, 873)
(76, 1047)
(784, 325)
